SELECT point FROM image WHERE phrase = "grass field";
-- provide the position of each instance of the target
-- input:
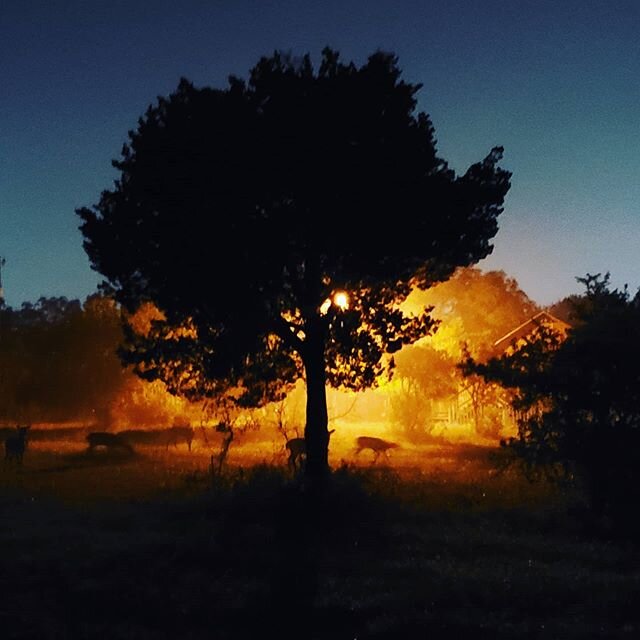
(434, 543)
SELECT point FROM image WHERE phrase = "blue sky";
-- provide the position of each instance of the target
(556, 83)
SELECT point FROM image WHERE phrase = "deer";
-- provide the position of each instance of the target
(377, 445)
(297, 448)
(108, 440)
(175, 435)
(16, 444)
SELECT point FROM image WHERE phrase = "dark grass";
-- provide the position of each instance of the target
(148, 546)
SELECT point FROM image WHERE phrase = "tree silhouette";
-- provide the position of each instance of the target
(242, 212)
(579, 398)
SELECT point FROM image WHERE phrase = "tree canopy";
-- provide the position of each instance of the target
(474, 309)
(242, 212)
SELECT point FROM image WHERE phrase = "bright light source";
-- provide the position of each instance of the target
(340, 299)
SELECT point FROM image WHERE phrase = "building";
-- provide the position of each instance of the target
(518, 336)
(485, 408)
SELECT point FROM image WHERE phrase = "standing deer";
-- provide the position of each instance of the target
(108, 440)
(15, 445)
(297, 448)
(377, 445)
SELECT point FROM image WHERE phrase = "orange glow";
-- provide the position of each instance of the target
(473, 309)
(324, 307)
(144, 317)
(340, 299)
(142, 321)
(187, 330)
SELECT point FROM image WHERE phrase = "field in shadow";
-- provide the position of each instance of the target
(112, 545)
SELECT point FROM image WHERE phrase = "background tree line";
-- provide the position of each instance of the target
(58, 360)
(59, 363)
(59, 357)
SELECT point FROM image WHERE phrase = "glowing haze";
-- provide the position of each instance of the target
(555, 83)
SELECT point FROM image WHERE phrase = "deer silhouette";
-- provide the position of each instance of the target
(297, 448)
(176, 435)
(108, 440)
(16, 444)
(377, 445)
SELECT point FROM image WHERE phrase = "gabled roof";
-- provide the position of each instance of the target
(527, 327)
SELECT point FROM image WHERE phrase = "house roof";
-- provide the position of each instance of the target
(527, 327)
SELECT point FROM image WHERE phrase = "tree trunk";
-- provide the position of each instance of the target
(316, 433)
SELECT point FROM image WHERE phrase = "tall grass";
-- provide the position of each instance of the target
(153, 545)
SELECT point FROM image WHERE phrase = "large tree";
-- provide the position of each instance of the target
(242, 212)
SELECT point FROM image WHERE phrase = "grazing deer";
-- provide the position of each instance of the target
(175, 435)
(16, 444)
(377, 445)
(297, 448)
(108, 440)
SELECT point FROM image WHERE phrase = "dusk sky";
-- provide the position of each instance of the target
(557, 83)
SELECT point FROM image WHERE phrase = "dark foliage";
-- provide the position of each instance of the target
(386, 555)
(579, 398)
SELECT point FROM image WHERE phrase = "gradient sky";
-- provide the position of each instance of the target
(557, 83)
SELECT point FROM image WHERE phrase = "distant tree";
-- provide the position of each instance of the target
(58, 359)
(579, 398)
(474, 309)
(425, 374)
(244, 212)
(10, 363)
(96, 376)
(35, 355)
